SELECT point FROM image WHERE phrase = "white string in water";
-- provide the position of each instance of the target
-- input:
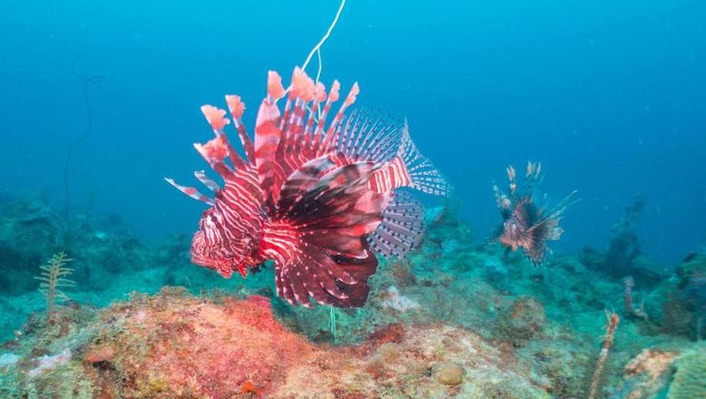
(317, 48)
(321, 65)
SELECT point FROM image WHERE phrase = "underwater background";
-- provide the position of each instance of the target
(100, 101)
(609, 96)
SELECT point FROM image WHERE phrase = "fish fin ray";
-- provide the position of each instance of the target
(423, 175)
(370, 135)
(329, 212)
(206, 181)
(401, 229)
(327, 278)
(191, 192)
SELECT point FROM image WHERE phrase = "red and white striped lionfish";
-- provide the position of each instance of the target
(318, 200)
(525, 225)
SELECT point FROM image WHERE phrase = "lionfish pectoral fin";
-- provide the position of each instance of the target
(327, 279)
(330, 212)
(301, 182)
(544, 227)
(401, 229)
(191, 192)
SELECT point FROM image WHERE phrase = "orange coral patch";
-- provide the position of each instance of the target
(214, 350)
(103, 353)
(249, 387)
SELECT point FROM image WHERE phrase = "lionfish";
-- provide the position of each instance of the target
(319, 200)
(525, 225)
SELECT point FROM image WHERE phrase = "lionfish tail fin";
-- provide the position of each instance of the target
(422, 174)
(318, 239)
(402, 227)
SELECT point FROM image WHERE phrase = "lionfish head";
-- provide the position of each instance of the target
(513, 234)
(516, 228)
(222, 246)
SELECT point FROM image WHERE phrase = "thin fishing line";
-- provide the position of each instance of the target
(87, 80)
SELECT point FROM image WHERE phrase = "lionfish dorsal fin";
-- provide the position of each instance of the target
(267, 139)
(206, 181)
(370, 135)
(191, 192)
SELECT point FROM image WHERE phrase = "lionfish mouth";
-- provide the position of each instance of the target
(223, 263)
(200, 256)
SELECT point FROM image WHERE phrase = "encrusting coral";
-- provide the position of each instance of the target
(482, 325)
(690, 381)
(174, 345)
(648, 372)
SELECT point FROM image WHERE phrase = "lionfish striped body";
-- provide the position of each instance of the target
(318, 200)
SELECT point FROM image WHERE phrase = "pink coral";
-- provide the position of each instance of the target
(196, 347)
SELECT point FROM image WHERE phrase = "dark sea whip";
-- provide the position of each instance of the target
(86, 133)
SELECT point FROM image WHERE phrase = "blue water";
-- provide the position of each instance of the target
(609, 96)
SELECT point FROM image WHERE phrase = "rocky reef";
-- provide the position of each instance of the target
(458, 318)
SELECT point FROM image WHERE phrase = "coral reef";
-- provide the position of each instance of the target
(624, 245)
(30, 232)
(448, 373)
(174, 345)
(684, 308)
(523, 320)
(647, 374)
(689, 381)
(624, 257)
(453, 320)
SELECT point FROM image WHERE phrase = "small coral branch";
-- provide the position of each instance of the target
(611, 326)
(54, 276)
(624, 245)
(629, 284)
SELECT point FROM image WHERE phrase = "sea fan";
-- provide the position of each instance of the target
(53, 277)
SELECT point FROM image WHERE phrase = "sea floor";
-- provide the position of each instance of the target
(460, 318)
